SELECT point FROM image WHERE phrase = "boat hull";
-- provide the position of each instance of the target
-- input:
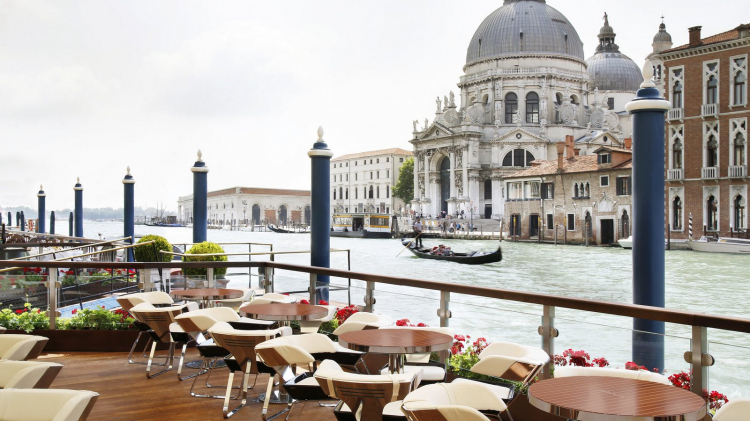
(716, 247)
(463, 258)
(360, 234)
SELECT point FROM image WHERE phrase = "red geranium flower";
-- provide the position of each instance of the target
(19, 311)
(304, 302)
(75, 310)
(322, 302)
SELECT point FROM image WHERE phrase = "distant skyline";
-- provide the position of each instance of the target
(89, 87)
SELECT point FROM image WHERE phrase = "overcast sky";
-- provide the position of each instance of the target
(90, 87)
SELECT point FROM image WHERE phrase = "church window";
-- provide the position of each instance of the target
(712, 211)
(677, 213)
(511, 107)
(712, 88)
(518, 158)
(739, 149)
(574, 99)
(712, 152)
(532, 107)
(739, 212)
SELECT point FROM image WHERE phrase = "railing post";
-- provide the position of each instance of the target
(444, 312)
(268, 280)
(370, 297)
(210, 278)
(549, 333)
(313, 288)
(699, 360)
(52, 290)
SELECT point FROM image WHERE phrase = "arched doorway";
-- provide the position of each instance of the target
(282, 215)
(445, 183)
(256, 215)
(307, 214)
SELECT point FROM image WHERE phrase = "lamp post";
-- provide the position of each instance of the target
(648, 110)
(320, 228)
(41, 196)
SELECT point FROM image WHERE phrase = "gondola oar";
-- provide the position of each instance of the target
(407, 246)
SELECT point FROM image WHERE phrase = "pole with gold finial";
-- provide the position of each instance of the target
(200, 200)
(129, 211)
(78, 212)
(41, 225)
(320, 225)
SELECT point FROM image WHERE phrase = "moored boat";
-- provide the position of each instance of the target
(626, 243)
(471, 258)
(721, 245)
(361, 225)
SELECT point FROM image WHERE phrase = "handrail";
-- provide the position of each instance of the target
(62, 259)
(256, 253)
(72, 248)
(229, 244)
(43, 234)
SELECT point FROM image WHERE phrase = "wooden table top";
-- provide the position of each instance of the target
(614, 398)
(395, 341)
(208, 293)
(282, 311)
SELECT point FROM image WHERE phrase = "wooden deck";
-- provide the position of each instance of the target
(126, 393)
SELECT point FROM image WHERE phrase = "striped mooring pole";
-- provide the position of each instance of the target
(690, 226)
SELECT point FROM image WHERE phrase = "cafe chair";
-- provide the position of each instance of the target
(362, 397)
(452, 402)
(286, 353)
(162, 325)
(649, 376)
(312, 326)
(241, 345)
(734, 410)
(46, 404)
(27, 374)
(21, 347)
(431, 372)
(362, 321)
(235, 303)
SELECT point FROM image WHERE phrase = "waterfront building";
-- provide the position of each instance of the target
(575, 196)
(251, 205)
(526, 86)
(706, 139)
(361, 182)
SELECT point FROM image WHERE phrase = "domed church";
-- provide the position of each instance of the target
(525, 87)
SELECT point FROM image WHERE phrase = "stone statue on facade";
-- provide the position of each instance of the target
(439, 103)
(414, 123)
(452, 99)
(460, 185)
(426, 123)
(519, 117)
(544, 86)
(446, 104)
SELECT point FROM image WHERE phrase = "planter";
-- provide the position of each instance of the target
(90, 340)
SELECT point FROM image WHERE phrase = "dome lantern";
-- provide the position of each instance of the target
(662, 39)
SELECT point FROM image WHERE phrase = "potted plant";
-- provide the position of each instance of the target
(206, 248)
(151, 253)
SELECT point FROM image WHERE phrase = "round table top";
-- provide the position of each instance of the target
(282, 312)
(208, 293)
(396, 341)
(615, 398)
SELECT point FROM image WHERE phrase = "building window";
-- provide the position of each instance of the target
(347, 194)
(355, 163)
(624, 186)
(511, 107)
(532, 107)
(738, 76)
(334, 193)
(371, 192)
(677, 95)
(712, 211)
(548, 191)
(347, 164)
(356, 193)
(712, 88)
(371, 161)
(604, 158)
(370, 175)
(611, 103)
(739, 213)
(387, 173)
(377, 160)
(604, 181)
(712, 152)
(532, 189)
(518, 158)
(488, 189)
(515, 191)
(739, 149)
(550, 221)
(347, 177)
(571, 222)
(387, 191)
(377, 192)
(387, 159)
(401, 160)
(515, 224)
(677, 154)
(355, 176)
(677, 213)
(334, 166)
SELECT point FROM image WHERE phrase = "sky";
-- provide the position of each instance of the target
(90, 87)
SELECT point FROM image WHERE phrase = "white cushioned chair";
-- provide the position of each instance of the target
(734, 410)
(21, 347)
(162, 325)
(312, 326)
(27, 374)
(361, 321)
(363, 397)
(422, 411)
(431, 372)
(649, 376)
(46, 404)
(248, 294)
(241, 345)
(449, 400)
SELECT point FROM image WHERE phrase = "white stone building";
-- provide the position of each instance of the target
(526, 86)
(361, 182)
(251, 205)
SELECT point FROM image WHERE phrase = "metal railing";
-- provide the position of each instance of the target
(697, 356)
(249, 255)
(675, 174)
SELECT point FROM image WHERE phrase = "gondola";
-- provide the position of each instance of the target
(283, 231)
(473, 258)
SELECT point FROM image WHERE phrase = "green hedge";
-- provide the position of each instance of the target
(204, 248)
(146, 253)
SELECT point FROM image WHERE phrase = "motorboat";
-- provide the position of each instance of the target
(626, 243)
(721, 245)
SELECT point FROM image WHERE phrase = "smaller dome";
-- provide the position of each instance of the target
(663, 35)
(608, 68)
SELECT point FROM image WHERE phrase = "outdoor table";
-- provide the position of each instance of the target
(615, 399)
(207, 295)
(396, 343)
(285, 312)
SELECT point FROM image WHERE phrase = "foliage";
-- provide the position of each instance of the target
(146, 253)
(404, 187)
(329, 326)
(98, 318)
(204, 248)
(406, 322)
(26, 319)
(715, 399)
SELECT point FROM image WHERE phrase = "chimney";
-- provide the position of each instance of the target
(628, 143)
(560, 151)
(577, 151)
(695, 36)
(569, 142)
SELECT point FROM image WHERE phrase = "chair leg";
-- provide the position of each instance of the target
(243, 392)
(181, 365)
(209, 367)
(170, 360)
(264, 415)
(144, 354)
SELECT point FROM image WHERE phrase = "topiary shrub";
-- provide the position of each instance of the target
(146, 253)
(204, 248)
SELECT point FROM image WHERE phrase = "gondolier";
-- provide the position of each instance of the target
(418, 232)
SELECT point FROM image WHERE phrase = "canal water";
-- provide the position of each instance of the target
(701, 282)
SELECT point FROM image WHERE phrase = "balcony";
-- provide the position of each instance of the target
(675, 114)
(675, 174)
(737, 171)
(710, 111)
(710, 173)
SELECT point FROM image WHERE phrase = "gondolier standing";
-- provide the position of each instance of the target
(417, 232)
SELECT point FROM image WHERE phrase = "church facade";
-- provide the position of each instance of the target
(526, 86)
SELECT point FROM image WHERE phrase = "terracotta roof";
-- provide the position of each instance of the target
(614, 149)
(259, 190)
(580, 164)
(391, 151)
(713, 39)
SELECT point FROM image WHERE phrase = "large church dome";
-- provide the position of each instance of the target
(609, 69)
(524, 27)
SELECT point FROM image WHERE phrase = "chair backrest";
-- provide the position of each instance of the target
(370, 394)
(158, 298)
(21, 347)
(278, 298)
(27, 374)
(472, 394)
(419, 411)
(202, 320)
(131, 300)
(280, 354)
(241, 343)
(511, 361)
(571, 371)
(58, 404)
(734, 410)
(158, 319)
(361, 321)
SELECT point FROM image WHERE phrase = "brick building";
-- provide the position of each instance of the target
(706, 139)
(573, 196)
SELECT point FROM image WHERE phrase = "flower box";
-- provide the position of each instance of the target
(90, 340)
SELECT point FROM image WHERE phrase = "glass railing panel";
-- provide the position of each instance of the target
(731, 370)
(23, 301)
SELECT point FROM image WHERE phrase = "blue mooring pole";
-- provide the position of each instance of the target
(78, 232)
(23, 222)
(41, 196)
(320, 226)
(52, 222)
(129, 211)
(70, 225)
(648, 110)
(10, 219)
(200, 200)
